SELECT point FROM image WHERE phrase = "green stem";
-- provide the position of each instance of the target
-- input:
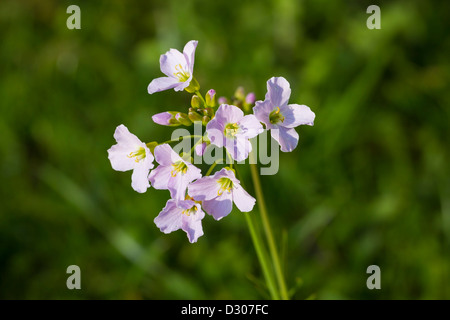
(260, 252)
(268, 231)
(211, 168)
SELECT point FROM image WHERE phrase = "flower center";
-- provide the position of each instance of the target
(225, 185)
(231, 129)
(275, 116)
(138, 155)
(182, 75)
(190, 211)
(178, 166)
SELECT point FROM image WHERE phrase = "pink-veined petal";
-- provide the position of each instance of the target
(220, 206)
(228, 114)
(161, 84)
(278, 91)
(159, 177)
(214, 130)
(189, 53)
(192, 224)
(173, 61)
(139, 178)
(170, 218)
(295, 115)
(205, 188)
(250, 127)
(165, 155)
(239, 147)
(286, 137)
(242, 199)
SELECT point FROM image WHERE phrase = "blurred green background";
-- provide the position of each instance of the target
(368, 184)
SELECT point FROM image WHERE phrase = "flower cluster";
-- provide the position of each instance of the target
(230, 123)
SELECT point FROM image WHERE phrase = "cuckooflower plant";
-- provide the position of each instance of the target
(229, 123)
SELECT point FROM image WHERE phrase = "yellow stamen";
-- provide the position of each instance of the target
(138, 155)
(231, 129)
(225, 185)
(181, 74)
(275, 116)
(178, 166)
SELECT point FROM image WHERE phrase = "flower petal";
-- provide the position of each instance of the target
(189, 53)
(171, 61)
(170, 218)
(278, 91)
(220, 206)
(239, 147)
(242, 199)
(228, 114)
(139, 178)
(159, 177)
(192, 224)
(249, 127)
(161, 84)
(214, 129)
(125, 137)
(118, 156)
(165, 155)
(205, 188)
(286, 137)
(295, 115)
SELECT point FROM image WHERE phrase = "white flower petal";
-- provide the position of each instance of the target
(205, 188)
(189, 53)
(296, 115)
(161, 84)
(286, 137)
(172, 62)
(278, 91)
(220, 206)
(242, 199)
(170, 218)
(139, 178)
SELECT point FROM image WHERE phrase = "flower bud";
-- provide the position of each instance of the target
(250, 98)
(166, 119)
(222, 100)
(183, 118)
(208, 112)
(239, 93)
(205, 120)
(194, 115)
(196, 102)
(211, 98)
